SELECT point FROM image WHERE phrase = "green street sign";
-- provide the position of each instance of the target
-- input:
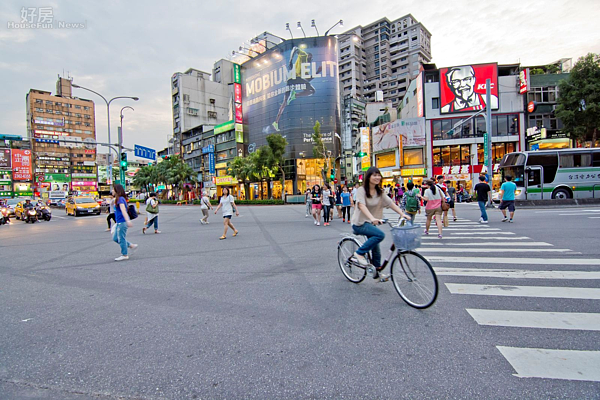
(486, 146)
(237, 73)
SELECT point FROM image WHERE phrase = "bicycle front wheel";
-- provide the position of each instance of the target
(414, 279)
(354, 273)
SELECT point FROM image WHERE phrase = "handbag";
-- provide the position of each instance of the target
(445, 205)
(132, 212)
(151, 209)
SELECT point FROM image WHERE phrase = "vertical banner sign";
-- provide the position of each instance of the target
(364, 148)
(420, 95)
(486, 146)
(237, 73)
(524, 81)
(21, 165)
(401, 149)
(239, 133)
(211, 163)
(239, 117)
(237, 91)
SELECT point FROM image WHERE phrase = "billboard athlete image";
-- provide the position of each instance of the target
(289, 88)
(463, 88)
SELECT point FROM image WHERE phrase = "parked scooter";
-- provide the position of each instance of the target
(43, 212)
(4, 218)
(30, 215)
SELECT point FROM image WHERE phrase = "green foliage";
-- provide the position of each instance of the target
(277, 144)
(319, 149)
(172, 171)
(579, 100)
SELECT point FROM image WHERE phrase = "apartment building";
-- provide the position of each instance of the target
(200, 99)
(383, 55)
(59, 166)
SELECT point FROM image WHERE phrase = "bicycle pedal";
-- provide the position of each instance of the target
(384, 279)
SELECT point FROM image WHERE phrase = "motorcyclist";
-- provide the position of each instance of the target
(28, 204)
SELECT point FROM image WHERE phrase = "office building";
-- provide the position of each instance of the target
(61, 166)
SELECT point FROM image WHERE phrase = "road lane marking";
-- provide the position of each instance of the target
(574, 365)
(574, 210)
(517, 273)
(458, 250)
(577, 214)
(525, 291)
(481, 233)
(441, 243)
(537, 319)
(434, 237)
(516, 260)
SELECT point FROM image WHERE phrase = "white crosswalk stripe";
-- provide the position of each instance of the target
(474, 245)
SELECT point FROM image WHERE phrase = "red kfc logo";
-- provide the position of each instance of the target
(463, 88)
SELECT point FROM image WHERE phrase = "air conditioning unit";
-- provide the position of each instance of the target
(212, 114)
(213, 101)
(186, 98)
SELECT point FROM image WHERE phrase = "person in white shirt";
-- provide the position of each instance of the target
(205, 206)
(227, 202)
(152, 210)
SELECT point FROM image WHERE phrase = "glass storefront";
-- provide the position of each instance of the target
(308, 171)
(498, 151)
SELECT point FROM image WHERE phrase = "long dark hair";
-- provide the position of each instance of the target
(119, 192)
(223, 191)
(315, 192)
(432, 186)
(371, 171)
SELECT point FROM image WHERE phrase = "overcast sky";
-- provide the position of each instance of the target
(132, 48)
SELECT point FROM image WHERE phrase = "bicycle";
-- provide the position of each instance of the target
(412, 275)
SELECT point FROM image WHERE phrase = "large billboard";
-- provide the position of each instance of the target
(5, 161)
(387, 136)
(289, 88)
(462, 89)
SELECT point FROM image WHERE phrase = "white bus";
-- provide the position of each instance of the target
(554, 174)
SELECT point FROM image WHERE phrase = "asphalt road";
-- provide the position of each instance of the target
(268, 314)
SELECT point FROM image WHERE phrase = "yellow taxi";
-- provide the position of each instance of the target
(81, 205)
(20, 209)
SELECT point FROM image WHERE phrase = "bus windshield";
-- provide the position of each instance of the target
(516, 172)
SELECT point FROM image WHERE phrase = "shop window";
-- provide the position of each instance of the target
(436, 128)
(435, 103)
(386, 160)
(465, 154)
(502, 121)
(414, 157)
(446, 155)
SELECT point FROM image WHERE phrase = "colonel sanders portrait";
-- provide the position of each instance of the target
(462, 81)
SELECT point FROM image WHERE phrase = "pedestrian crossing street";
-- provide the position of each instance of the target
(469, 243)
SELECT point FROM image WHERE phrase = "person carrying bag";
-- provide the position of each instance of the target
(152, 212)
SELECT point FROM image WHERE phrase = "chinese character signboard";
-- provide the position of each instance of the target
(239, 117)
(237, 93)
(237, 73)
(239, 133)
(21, 165)
(462, 89)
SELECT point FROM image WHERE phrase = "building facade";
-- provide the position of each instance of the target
(200, 99)
(450, 99)
(382, 57)
(60, 166)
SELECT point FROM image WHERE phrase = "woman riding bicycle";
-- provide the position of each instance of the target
(369, 204)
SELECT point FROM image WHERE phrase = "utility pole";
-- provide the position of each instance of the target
(488, 135)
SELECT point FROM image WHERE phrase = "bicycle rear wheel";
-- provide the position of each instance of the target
(353, 272)
(414, 279)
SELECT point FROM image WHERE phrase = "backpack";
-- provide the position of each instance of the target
(412, 203)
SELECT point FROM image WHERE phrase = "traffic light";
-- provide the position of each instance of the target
(332, 176)
(123, 160)
(360, 154)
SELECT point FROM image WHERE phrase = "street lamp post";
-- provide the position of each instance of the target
(300, 27)
(107, 116)
(120, 144)
(340, 23)
(287, 28)
(313, 24)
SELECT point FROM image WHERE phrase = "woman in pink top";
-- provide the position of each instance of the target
(433, 195)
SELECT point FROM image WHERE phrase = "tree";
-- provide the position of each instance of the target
(319, 149)
(579, 100)
(242, 169)
(277, 145)
(144, 177)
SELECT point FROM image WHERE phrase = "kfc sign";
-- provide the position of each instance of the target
(524, 81)
(462, 89)
(21, 165)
